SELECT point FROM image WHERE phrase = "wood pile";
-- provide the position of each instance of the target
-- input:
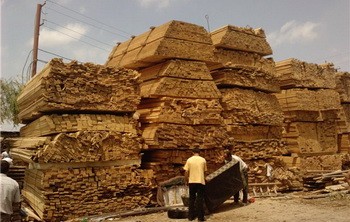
(58, 194)
(343, 88)
(312, 109)
(180, 107)
(246, 80)
(323, 180)
(172, 40)
(274, 171)
(82, 142)
(73, 87)
(251, 112)
(293, 73)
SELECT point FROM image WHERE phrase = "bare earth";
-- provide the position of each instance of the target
(287, 208)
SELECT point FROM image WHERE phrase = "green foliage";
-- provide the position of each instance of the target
(9, 91)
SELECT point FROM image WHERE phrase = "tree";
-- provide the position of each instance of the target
(9, 91)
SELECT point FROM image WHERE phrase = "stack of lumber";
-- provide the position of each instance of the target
(74, 87)
(311, 137)
(82, 141)
(343, 88)
(180, 103)
(293, 73)
(273, 171)
(59, 123)
(246, 79)
(58, 194)
(172, 40)
(252, 114)
(311, 107)
(320, 181)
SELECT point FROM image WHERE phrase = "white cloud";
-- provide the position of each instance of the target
(157, 3)
(293, 32)
(70, 33)
(88, 54)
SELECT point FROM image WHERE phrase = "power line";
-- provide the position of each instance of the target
(114, 33)
(89, 18)
(76, 38)
(26, 64)
(42, 50)
(77, 32)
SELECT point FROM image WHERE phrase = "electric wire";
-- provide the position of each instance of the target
(114, 33)
(89, 17)
(51, 53)
(76, 38)
(45, 20)
(25, 65)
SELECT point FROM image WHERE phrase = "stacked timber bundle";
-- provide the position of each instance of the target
(81, 141)
(74, 87)
(311, 107)
(343, 88)
(247, 80)
(293, 73)
(180, 107)
(172, 40)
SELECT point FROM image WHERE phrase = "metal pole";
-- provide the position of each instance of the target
(36, 38)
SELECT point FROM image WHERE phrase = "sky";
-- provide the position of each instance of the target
(314, 31)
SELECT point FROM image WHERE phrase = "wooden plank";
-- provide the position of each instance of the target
(75, 87)
(242, 39)
(293, 73)
(57, 123)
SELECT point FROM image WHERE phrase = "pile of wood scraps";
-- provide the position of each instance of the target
(326, 180)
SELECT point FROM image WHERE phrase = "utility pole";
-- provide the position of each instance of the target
(36, 38)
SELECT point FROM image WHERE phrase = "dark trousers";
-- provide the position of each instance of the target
(245, 188)
(5, 217)
(196, 201)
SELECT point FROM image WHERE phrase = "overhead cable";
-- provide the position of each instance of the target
(89, 18)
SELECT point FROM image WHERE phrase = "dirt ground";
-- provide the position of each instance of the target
(290, 207)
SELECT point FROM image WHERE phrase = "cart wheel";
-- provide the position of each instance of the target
(178, 213)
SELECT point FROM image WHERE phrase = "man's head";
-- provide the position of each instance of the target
(196, 150)
(228, 155)
(5, 166)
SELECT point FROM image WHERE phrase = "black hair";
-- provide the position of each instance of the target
(5, 166)
(196, 150)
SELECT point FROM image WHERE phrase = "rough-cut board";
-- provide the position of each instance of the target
(90, 146)
(246, 106)
(254, 132)
(344, 118)
(57, 123)
(87, 87)
(311, 137)
(293, 73)
(308, 100)
(246, 78)
(310, 116)
(177, 68)
(227, 58)
(242, 39)
(344, 143)
(172, 40)
(321, 162)
(25, 148)
(180, 111)
(258, 149)
(166, 135)
(181, 88)
(163, 171)
(58, 194)
(178, 156)
(343, 86)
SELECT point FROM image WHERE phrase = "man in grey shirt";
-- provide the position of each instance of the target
(9, 193)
